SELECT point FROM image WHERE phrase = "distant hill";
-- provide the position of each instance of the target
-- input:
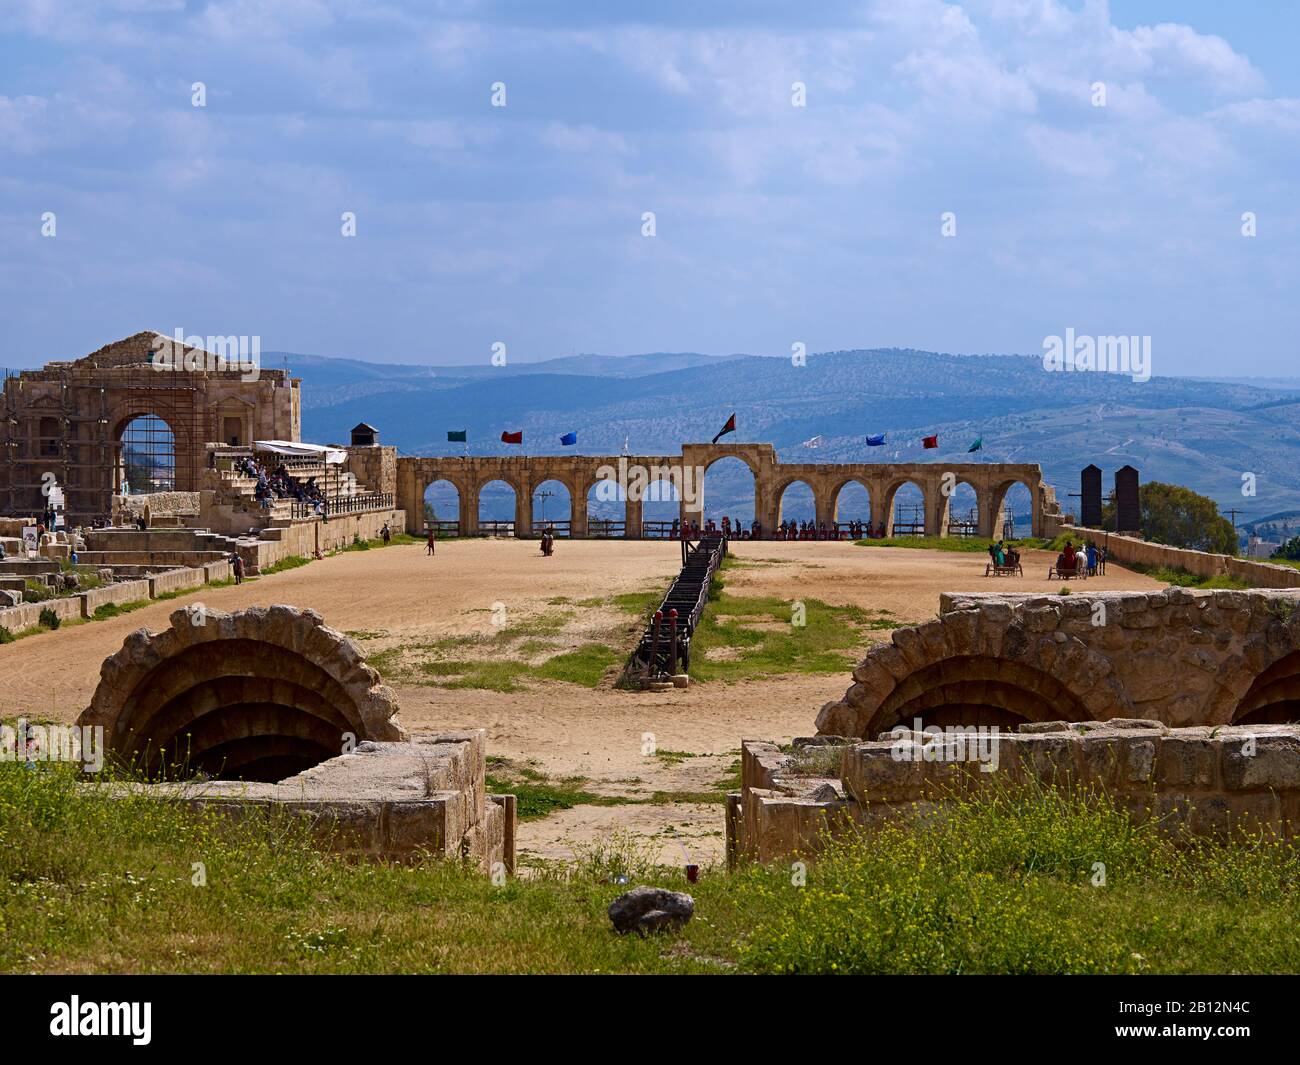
(1201, 433)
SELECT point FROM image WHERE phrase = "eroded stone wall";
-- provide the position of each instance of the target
(1211, 781)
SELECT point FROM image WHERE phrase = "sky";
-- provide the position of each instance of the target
(774, 224)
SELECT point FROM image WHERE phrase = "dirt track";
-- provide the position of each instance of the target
(566, 730)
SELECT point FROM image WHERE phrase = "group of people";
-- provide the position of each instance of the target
(1090, 556)
(1004, 557)
(278, 484)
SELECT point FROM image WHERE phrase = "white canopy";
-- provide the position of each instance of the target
(332, 455)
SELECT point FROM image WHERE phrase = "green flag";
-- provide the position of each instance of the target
(977, 446)
(456, 436)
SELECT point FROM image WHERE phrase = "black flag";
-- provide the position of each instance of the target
(730, 427)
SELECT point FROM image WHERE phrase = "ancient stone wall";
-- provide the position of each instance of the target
(1132, 551)
(1179, 656)
(1211, 781)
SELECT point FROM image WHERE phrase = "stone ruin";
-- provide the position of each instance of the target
(1181, 706)
(269, 708)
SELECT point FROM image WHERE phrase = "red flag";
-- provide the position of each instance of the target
(730, 427)
(930, 441)
(513, 438)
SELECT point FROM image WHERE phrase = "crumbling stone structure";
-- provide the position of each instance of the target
(1180, 657)
(276, 711)
(260, 695)
(1211, 781)
(68, 418)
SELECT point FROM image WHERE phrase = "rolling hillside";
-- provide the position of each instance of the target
(1201, 433)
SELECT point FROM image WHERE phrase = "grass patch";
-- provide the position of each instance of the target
(1003, 884)
(114, 610)
(489, 674)
(286, 563)
(753, 636)
(1182, 579)
(586, 666)
(537, 797)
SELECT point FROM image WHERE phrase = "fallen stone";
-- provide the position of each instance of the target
(649, 909)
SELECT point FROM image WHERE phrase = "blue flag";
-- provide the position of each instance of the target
(569, 439)
(876, 441)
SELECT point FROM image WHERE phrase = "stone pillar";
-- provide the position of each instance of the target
(632, 518)
(469, 509)
(523, 510)
(990, 502)
(876, 492)
(467, 516)
(767, 504)
(578, 516)
(935, 505)
(823, 503)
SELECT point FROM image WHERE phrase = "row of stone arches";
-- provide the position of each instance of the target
(904, 508)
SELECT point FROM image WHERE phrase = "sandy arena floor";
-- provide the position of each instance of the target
(398, 595)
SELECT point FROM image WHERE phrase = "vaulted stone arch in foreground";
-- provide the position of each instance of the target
(257, 695)
(1180, 657)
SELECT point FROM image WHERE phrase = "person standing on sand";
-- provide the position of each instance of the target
(387, 536)
(428, 547)
(237, 567)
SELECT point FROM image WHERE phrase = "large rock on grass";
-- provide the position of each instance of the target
(649, 909)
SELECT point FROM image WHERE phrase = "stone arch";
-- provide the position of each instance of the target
(853, 510)
(1273, 697)
(801, 509)
(556, 507)
(960, 507)
(978, 690)
(744, 512)
(494, 499)
(159, 441)
(261, 694)
(998, 497)
(437, 504)
(889, 496)
(976, 667)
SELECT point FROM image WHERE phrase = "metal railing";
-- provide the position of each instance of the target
(558, 528)
(496, 528)
(606, 529)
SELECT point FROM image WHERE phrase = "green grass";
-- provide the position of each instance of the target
(1182, 579)
(113, 610)
(535, 799)
(760, 639)
(1000, 885)
(587, 665)
(286, 563)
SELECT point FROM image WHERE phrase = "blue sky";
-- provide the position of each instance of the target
(775, 224)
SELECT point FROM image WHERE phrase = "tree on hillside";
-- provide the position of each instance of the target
(1289, 550)
(1179, 517)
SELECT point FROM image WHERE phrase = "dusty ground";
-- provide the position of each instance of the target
(398, 596)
